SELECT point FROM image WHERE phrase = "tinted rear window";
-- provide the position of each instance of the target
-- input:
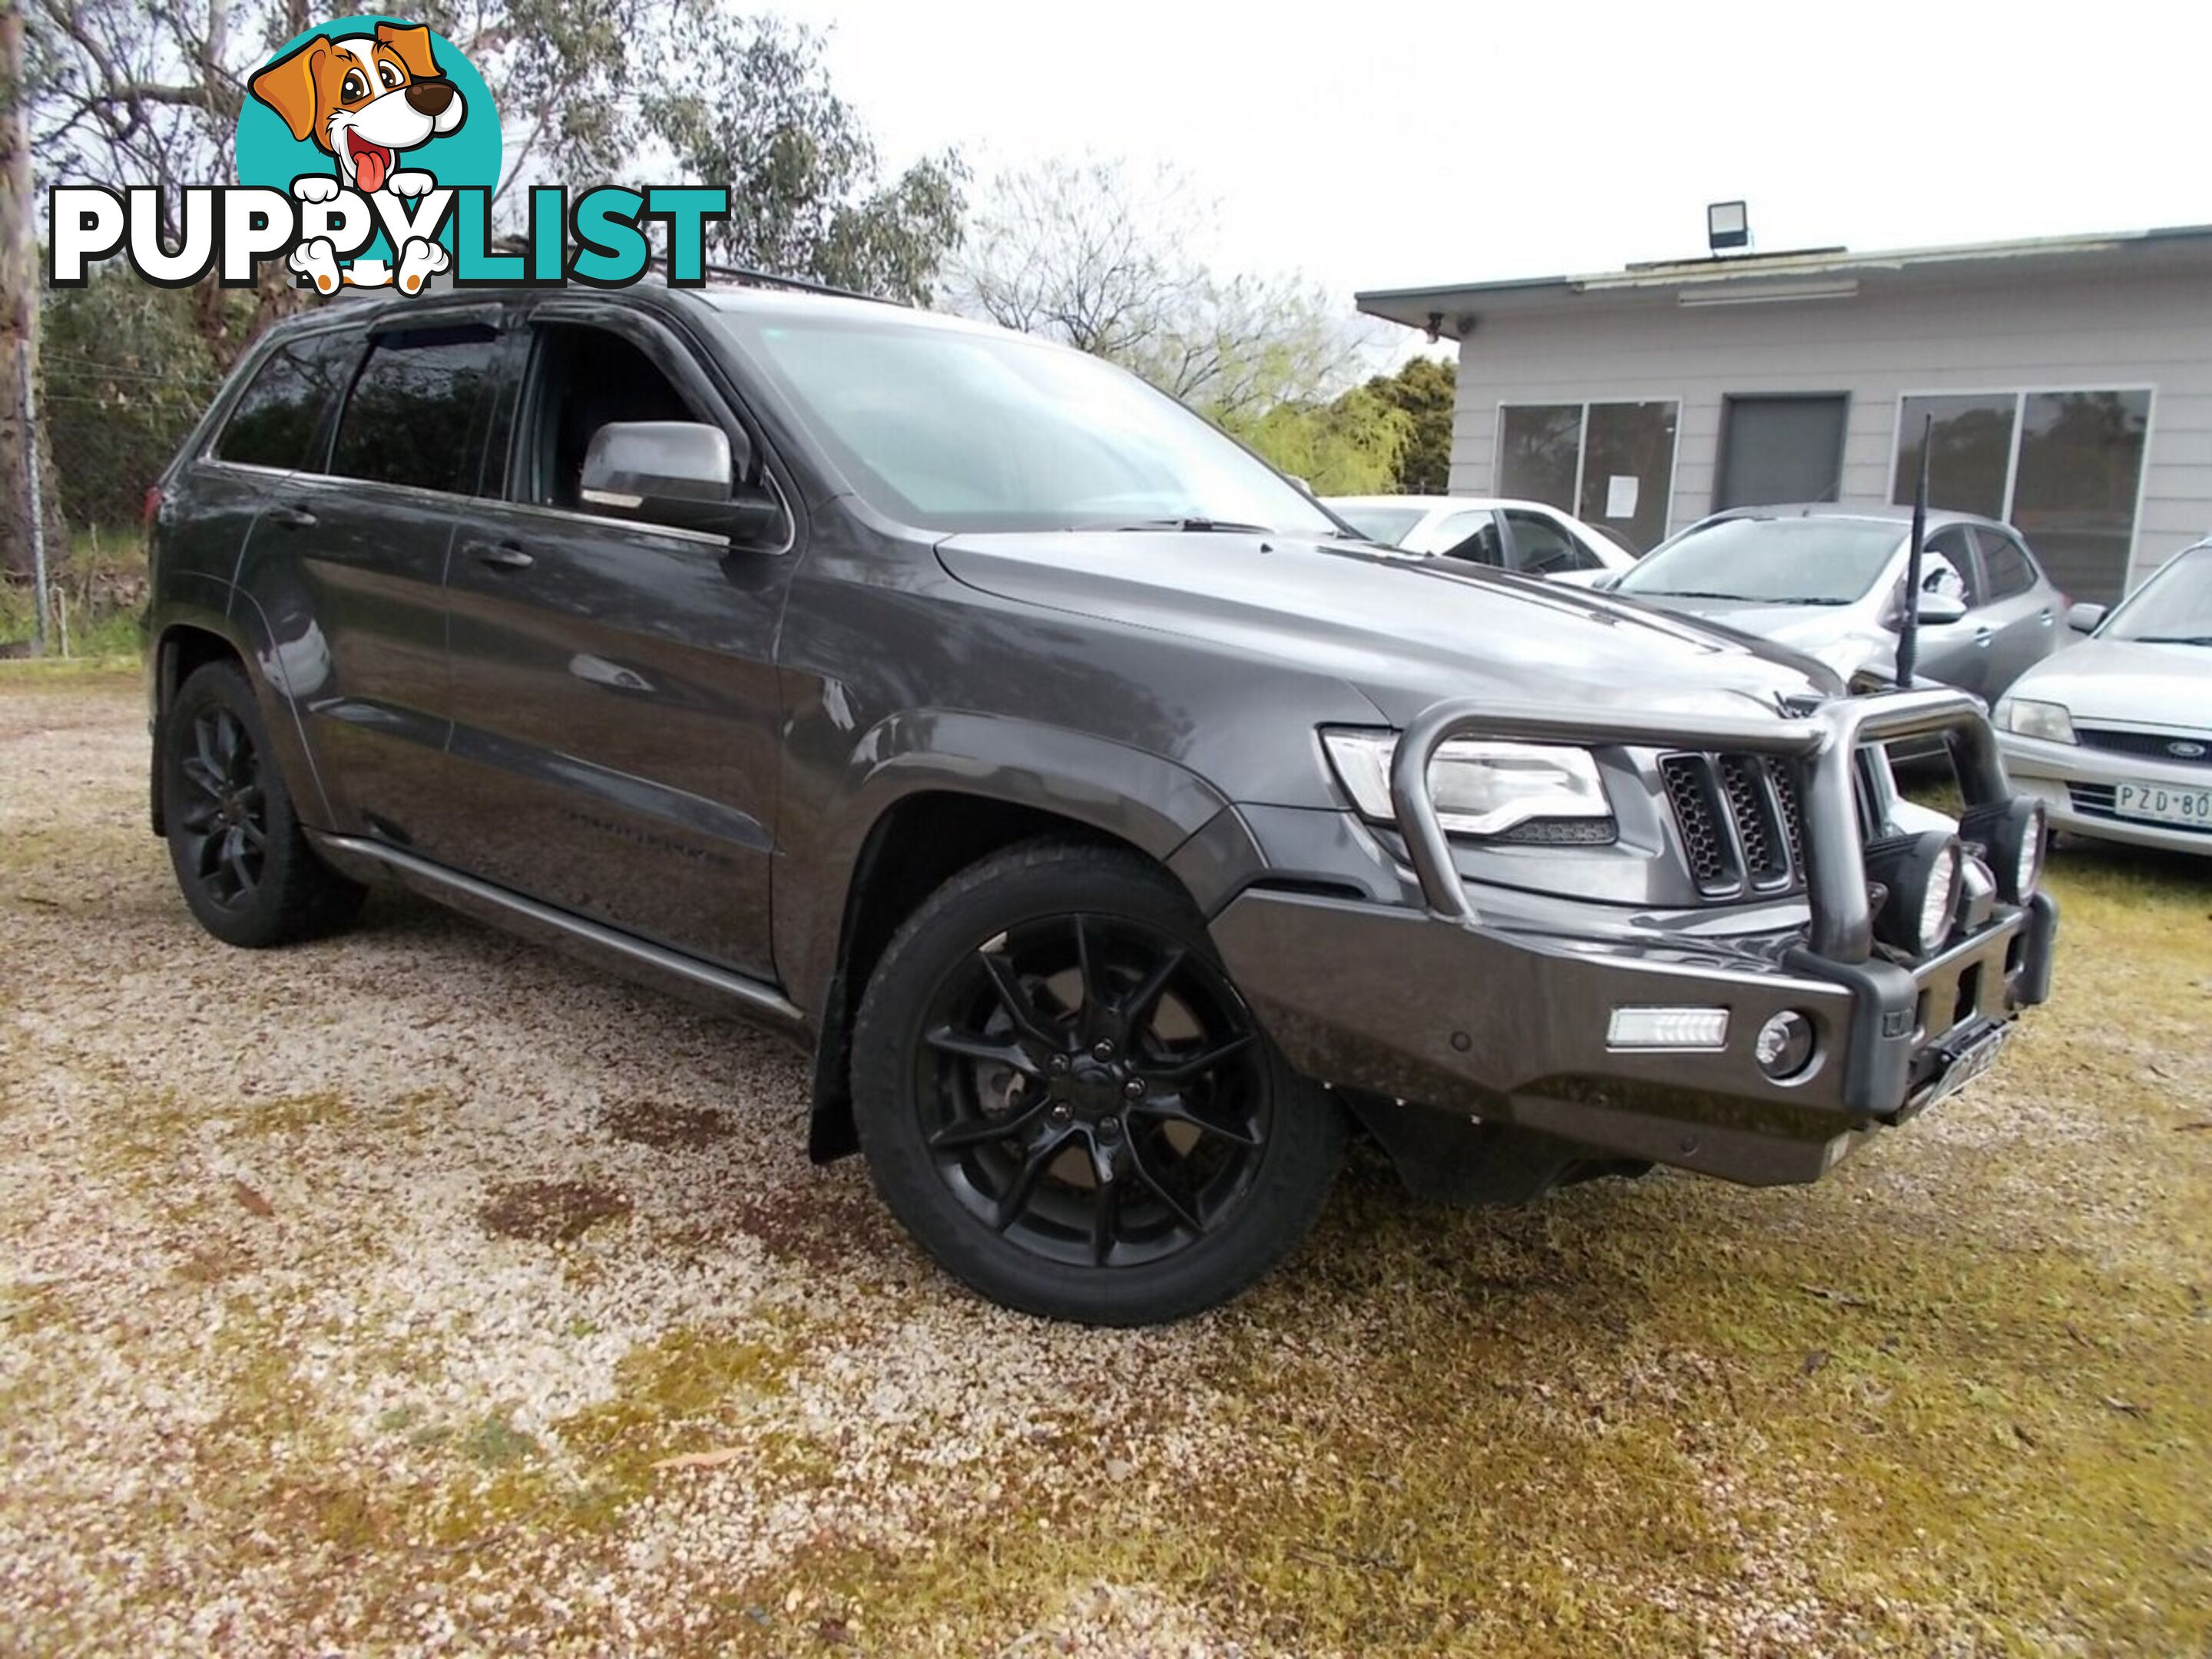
(412, 416)
(277, 417)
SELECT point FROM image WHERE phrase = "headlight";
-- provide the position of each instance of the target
(2047, 720)
(1479, 788)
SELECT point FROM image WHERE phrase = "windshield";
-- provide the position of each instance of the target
(956, 429)
(1386, 524)
(1775, 561)
(2174, 605)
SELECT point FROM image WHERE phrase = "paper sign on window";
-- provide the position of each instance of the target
(1621, 495)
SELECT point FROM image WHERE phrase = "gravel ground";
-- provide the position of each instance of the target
(419, 1290)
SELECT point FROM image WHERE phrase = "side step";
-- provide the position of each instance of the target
(655, 964)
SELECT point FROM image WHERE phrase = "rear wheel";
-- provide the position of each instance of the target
(1065, 1101)
(243, 866)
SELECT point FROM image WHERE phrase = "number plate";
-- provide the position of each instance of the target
(1970, 1063)
(2159, 803)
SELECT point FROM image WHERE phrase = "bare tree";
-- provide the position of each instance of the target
(1086, 253)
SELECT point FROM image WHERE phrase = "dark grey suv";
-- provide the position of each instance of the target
(1113, 828)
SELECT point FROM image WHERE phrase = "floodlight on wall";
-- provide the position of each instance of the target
(1727, 225)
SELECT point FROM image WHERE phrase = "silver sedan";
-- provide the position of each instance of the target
(2115, 735)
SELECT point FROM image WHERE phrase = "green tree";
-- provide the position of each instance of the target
(1424, 389)
(1351, 445)
(753, 111)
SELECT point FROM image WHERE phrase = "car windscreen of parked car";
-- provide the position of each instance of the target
(965, 429)
(1386, 524)
(1775, 561)
(2173, 608)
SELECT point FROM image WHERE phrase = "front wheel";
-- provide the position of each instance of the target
(1064, 1100)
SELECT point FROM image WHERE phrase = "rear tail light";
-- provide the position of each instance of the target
(151, 506)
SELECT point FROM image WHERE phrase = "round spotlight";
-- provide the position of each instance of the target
(1784, 1047)
(1922, 874)
(1939, 900)
(2014, 832)
(2022, 861)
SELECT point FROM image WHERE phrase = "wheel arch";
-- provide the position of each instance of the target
(923, 813)
(180, 649)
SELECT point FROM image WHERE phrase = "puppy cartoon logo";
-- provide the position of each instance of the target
(369, 156)
(374, 99)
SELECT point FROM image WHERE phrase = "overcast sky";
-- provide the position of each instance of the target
(1381, 144)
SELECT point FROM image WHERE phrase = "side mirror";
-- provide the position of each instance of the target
(676, 473)
(1939, 607)
(2085, 619)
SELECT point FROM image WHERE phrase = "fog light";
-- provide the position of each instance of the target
(2014, 832)
(1922, 873)
(1668, 1028)
(1784, 1047)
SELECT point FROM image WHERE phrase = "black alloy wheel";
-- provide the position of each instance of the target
(242, 861)
(1067, 1101)
(224, 823)
(1092, 1090)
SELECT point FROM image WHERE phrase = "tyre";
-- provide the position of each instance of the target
(1066, 1102)
(244, 866)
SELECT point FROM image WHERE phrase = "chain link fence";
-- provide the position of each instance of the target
(102, 425)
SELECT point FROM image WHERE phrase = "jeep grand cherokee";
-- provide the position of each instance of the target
(1111, 826)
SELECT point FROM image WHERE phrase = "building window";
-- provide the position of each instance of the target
(1607, 463)
(2063, 467)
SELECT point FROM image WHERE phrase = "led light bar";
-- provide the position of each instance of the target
(1668, 1028)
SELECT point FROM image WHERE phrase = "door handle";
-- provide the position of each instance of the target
(1982, 637)
(503, 555)
(2051, 619)
(293, 518)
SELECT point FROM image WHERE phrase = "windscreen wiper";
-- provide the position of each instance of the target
(2175, 639)
(1202, 526)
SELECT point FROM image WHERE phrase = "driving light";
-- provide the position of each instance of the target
(2030, 718)
(1478, 788)
(1784, 1046)
(1668, 1028)
(2012, 831)
(1922, 873)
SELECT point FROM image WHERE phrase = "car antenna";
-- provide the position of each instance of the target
(1908, 632)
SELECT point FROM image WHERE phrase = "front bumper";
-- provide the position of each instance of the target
(1451, 1016)
(2075, 783)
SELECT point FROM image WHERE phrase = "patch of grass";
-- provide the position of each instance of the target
(496, 1444)
(118, 670)
(292, 1114)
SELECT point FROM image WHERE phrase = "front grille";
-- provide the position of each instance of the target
(1739, 820)
(2153, 745)
(2098, 800)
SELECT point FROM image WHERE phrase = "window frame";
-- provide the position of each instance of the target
(1561, 525)
(1451, 549)
(686, 363)
(351, 340)
(1582, 447)
(479, 427)
(2020, 394)
(1985, 534)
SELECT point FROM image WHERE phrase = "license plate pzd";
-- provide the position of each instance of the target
(2159, 803)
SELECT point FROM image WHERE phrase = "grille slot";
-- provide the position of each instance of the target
(2152, 745)
(1740, 821)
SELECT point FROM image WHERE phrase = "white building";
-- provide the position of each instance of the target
(2071, 381)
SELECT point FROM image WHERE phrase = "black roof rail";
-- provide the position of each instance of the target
(746, 276)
